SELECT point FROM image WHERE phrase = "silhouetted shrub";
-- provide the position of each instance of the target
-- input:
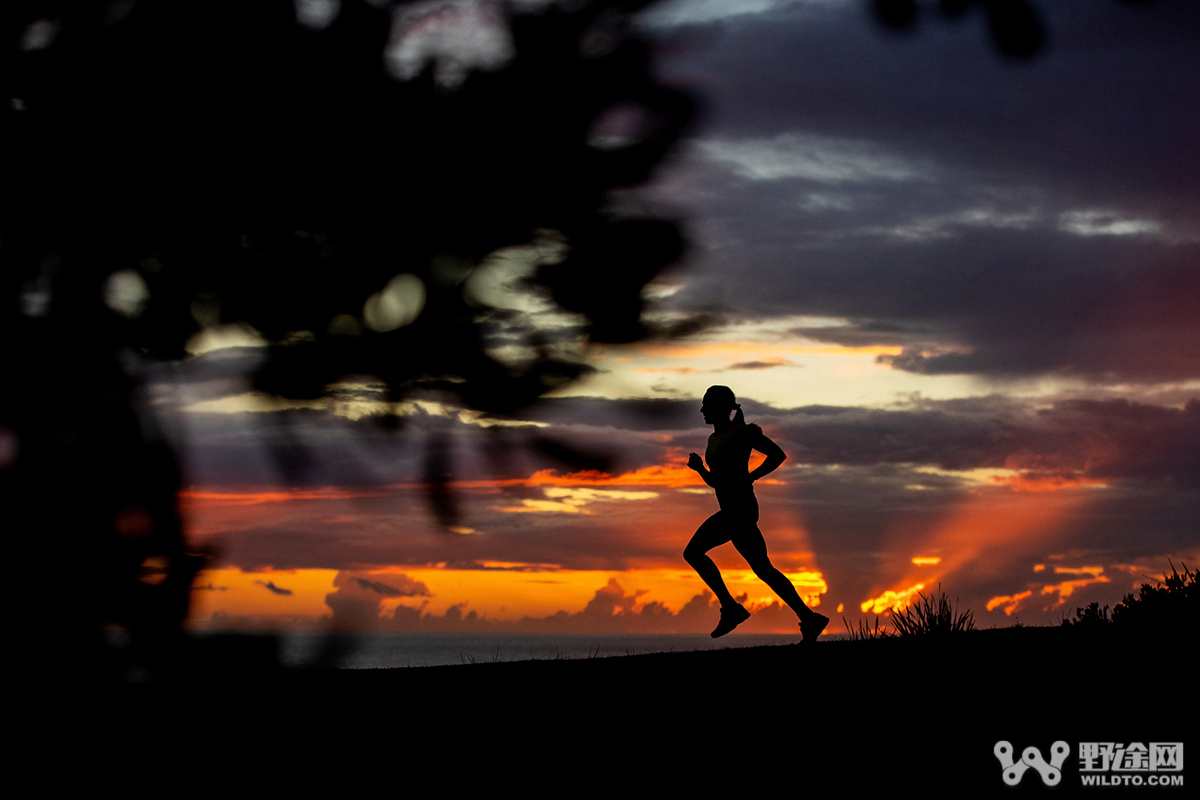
(1170, 607)
(864, 632)
(932, 616)
(1089, 617)
(1173, 605)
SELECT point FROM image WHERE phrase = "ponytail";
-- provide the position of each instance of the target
(738, 417)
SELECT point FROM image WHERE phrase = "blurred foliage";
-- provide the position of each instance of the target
(1015, 27)
(238, 167)
(329, 180)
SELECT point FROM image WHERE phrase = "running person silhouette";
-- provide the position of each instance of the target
(728, 456)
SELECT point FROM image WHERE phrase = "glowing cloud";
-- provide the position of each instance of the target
(810, 584)
(581, 496)
(673, 475)
(1029, 482)
(1064, 589)
(1010, 602)
(1093, 571)
(542, 507)
(926, 561)
(570, 500)
(890, 600)
(1067, 588)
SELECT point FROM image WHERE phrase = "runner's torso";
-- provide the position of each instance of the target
(728, 457)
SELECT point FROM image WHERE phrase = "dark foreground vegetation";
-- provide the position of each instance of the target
(1172, 604)
(900, 712)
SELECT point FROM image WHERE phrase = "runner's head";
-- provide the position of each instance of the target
(718, 402)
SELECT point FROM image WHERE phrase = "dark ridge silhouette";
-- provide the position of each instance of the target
(867, 716)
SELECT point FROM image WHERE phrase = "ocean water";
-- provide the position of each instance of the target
(375, 651)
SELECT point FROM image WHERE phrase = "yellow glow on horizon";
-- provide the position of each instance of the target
(506, 591)
(235, 593)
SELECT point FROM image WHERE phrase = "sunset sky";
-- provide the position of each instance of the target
(960, 292)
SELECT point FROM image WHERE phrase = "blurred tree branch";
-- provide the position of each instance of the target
(328, 178)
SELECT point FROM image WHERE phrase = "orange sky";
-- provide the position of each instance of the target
(545, 542)
(991, 528)
(496, 590)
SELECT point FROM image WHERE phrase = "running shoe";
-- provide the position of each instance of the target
(812, 628)
(731, 617)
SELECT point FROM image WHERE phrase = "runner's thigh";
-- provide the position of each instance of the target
(749, 541)
(712, 532)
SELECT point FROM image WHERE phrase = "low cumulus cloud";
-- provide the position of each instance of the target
(358, 599)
